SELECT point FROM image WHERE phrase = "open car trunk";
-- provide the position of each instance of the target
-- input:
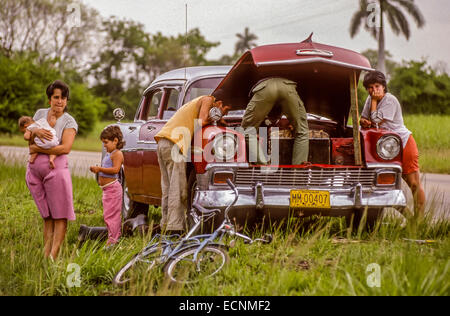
(326, 79)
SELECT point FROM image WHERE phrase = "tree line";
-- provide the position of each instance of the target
(106, 61)
(109, 61)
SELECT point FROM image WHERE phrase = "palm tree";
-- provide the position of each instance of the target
(396, 18)
(245, 42)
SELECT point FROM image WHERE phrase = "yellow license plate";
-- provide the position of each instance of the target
(310, 199)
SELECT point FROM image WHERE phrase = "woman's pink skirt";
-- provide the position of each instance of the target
(51, 189)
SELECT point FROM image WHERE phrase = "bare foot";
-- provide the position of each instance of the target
(52, 164)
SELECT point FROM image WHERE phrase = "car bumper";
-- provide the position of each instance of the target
(258, 199)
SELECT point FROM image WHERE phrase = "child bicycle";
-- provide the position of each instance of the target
(191, 258)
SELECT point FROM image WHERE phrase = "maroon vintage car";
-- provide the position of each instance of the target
(350, 170)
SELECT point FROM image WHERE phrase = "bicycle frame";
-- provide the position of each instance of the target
(226, 227)
(172, 248)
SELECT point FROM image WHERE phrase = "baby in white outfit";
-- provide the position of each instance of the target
(27, 124)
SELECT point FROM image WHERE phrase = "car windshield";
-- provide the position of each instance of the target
(201, 87)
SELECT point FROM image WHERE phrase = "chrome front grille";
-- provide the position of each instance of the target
(334, 177)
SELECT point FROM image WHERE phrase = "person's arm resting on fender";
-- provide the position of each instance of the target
(376, 117)
(365, 123)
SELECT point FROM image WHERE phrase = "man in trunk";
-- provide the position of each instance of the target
(271, 92)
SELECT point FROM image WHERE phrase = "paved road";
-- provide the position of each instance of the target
(437, 186)
(79, 161)
(437, 192)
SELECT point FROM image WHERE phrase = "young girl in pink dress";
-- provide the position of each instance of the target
(108, 175)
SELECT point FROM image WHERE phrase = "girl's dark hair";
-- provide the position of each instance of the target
(112, 132)
(58, 84)
(375, 77)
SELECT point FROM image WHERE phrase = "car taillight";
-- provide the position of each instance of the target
(221, 177)
(386, 178)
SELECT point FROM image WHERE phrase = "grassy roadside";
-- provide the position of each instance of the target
(431, 132)
(319, 259)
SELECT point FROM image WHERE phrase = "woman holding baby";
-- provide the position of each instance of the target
(50, 184)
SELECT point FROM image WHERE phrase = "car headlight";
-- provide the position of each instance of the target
(388, 147)
(224, 146)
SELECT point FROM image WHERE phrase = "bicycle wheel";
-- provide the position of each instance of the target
(183, 269)
(139, 265)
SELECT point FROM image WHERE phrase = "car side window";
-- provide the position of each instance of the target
(172, 102)
(154, 104)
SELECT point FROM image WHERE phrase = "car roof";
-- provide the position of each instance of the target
(190, 73)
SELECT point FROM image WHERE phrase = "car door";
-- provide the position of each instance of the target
(151, 175)
(132, 153)
(146, 142)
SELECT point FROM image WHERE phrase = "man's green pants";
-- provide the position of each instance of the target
(279, 92)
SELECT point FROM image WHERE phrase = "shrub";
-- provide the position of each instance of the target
(23, 82)
(420, 90)
(84, 107)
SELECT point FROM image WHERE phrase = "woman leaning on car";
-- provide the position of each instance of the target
(383, 110)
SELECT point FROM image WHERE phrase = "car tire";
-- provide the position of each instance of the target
(130, 208)
(355, 220)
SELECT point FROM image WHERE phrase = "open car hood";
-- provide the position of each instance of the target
(322, 73)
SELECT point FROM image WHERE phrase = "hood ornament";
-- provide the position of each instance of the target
(311, 51)
(118, 114)
(309, 39)
(215, 114)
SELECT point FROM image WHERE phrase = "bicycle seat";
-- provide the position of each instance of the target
(203, 210)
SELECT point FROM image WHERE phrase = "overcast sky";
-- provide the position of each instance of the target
(284, 21)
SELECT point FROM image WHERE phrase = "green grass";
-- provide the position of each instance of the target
(432, 134)
(430, 131)
(301, 260)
